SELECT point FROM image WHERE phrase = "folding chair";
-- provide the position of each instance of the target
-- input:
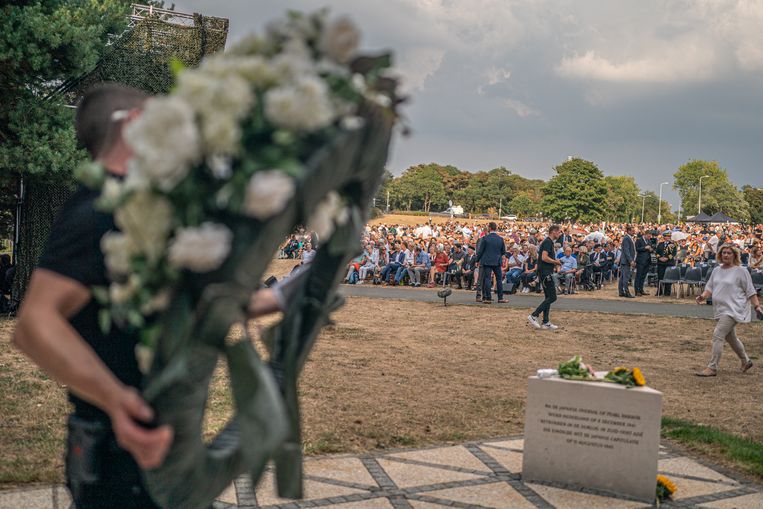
(693, 278)
(672, 277)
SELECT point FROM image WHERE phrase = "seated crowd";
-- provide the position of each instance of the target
(446, 254)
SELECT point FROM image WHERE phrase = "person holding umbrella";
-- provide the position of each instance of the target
(731, 288)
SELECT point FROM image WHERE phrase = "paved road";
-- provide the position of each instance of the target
(524, 301)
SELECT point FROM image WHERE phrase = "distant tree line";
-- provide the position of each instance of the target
(578, 191)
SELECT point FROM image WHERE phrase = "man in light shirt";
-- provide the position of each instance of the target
(569, 269)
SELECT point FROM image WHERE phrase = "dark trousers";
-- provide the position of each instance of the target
(99, 473)
(469, 278)
(641, 270)
(662, 289)
(549, 291)
(487, 282)
(625, 278)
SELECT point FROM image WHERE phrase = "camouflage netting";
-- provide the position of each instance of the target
(140, 58)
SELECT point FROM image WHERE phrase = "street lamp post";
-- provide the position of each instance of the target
(659, 205)
(643, 201)
(699, 200)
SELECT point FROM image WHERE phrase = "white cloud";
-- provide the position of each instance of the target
(417, 65)
(688, 62)
(493, 76)
(520, 108)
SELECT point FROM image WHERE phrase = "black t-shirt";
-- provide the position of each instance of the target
(74, 251)
(544, 267)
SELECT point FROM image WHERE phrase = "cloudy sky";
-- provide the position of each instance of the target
(638, 87)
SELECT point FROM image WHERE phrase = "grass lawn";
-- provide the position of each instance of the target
(403, 374)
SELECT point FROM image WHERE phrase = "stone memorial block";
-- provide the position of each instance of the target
(593, 435)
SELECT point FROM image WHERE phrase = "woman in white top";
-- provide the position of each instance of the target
(732, 290)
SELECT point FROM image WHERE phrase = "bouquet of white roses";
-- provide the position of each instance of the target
(286, 129)
(230, 142)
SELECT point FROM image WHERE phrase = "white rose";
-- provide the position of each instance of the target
(146, 220)
(221, 134)
(267, 193)
(165, 141)
(304, 105)
(201, 249)
(221, 97)
(117, 249)
(111, 194)
(340, 40)
(257, 71)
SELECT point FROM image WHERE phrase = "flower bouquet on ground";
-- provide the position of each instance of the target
(630, 377)
(665, 489)
(575, 369)
(287, 129)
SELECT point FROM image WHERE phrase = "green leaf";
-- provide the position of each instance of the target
(104, 320)
(100, 294)
(176, 66)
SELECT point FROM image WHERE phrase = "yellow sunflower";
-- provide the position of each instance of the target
(619, 369)
(638, 377)
(667, 484)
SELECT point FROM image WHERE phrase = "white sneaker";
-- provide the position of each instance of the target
(549, 326)
(533, 321)
(525, 290)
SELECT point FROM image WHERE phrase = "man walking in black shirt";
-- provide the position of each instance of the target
(547, 263)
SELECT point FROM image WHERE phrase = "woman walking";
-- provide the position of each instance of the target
(731, 288)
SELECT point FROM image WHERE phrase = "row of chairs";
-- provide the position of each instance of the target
(697, 277)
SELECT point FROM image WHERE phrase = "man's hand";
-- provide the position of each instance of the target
(148, 446)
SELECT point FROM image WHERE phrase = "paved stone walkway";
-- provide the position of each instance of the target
(472, 475)
(529, 301)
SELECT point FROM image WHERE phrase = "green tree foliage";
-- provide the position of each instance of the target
(522, 205)
(577, 192)
(754, 198)
(381, 194)
(622, 199)
(651, 210)
(718, 193)
(422, 187)
(43, 43)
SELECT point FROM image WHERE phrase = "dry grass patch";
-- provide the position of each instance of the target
(405, 373)
(402, 374)
(33, 411)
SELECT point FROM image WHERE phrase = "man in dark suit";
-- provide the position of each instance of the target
(643, 260)
(467, 268)
(489, 254)
(627, 262)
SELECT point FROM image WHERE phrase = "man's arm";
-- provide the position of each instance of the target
(45, 335)
(548, 259)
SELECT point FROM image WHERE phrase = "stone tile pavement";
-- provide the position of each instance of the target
(475, 475)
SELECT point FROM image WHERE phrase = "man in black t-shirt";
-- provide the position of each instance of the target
(58, 328)
(547, 263)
